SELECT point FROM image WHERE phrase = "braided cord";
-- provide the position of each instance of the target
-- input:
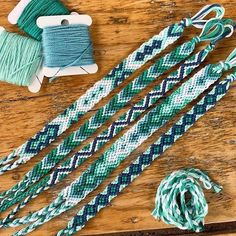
(101, 168)
(102, 88)
(102, 115)
(76, 160)
(173, 206)
(136, 168)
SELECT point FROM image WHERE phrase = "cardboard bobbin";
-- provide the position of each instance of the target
(74, 18)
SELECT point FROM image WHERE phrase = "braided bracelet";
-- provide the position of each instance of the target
(62, 171)
(144, 128)
(136, 168)
(104, 113)
(102, 88)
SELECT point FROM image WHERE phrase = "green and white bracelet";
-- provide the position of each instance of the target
(71, 164)
(101, 89)
(144, 128)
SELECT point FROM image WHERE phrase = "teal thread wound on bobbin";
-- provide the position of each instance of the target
(20, 58)
(66, 46)
(180, 199)
(35, 9)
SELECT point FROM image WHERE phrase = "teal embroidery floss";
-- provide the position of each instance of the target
(180, 199)
(35, 9)
(67, 45)
(20, 58)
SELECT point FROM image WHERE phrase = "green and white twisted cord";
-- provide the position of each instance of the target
(154, 152)
(180, 199)
(101, 89)
(101, 168)
(213, 31)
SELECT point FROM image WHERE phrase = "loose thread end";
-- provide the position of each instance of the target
(155, 214)
(217, 188)
(200, 228)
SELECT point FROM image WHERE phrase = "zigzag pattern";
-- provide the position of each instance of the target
(100, 90)
(142, 162)
(145, 160)
(185, 69)
(96, 121)
(139, 133)
(143, 129)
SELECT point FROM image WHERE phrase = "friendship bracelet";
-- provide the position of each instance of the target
(101, 168)
(114, 105)
(71, 164)
(146, 159)
(102, 88)
(103, 114)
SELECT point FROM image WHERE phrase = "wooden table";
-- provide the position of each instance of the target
(119, 27)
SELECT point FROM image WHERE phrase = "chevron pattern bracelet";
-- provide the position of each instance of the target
(71, 164)
(102, 88)
(145, 160)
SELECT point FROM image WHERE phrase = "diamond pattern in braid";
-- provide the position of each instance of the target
(101, 89)
(101, 168)
(103, 114)
(145, 160)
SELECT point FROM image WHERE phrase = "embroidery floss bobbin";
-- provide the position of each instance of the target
(67, 47)
(26, 13)
(21, 59)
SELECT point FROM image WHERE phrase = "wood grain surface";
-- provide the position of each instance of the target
(120, 27)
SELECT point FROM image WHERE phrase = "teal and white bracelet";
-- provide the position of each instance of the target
(101, 89)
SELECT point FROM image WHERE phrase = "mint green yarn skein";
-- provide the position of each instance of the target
(35, 9)
(20, 58)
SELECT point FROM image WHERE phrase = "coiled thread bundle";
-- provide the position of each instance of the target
(20, 58)
(35, 9)
(67, 45)
(180, 200)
